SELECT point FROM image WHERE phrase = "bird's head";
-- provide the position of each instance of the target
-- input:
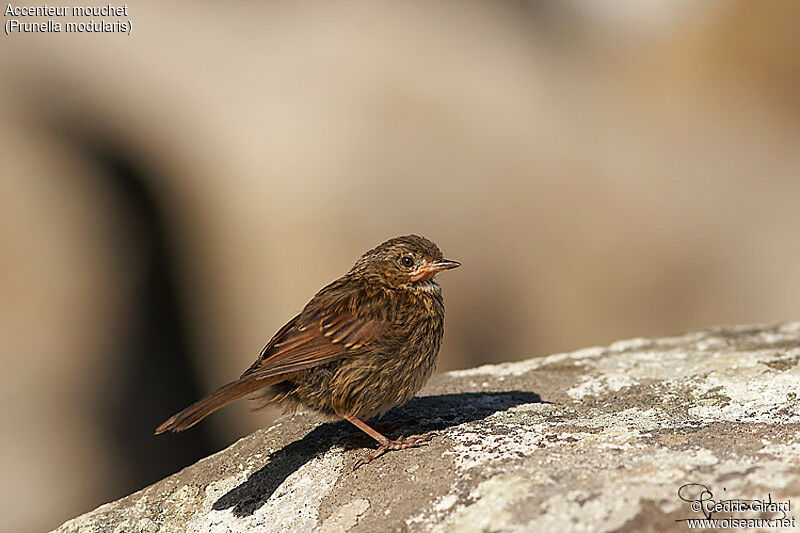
(404, 262)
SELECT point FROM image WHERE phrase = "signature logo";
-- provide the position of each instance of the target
(733, 512)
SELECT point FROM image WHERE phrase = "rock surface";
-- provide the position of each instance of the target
(600, 439)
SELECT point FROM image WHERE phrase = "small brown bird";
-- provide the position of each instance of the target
(364, 344)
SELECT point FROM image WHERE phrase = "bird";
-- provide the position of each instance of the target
(365, 343)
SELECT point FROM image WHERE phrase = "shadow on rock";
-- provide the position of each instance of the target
(420, 415)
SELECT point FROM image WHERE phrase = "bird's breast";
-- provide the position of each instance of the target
(393, 369)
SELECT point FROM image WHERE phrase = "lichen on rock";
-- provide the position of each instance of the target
(596, 440)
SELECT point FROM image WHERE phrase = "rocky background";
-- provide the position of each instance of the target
(601, 439)
(169, 199)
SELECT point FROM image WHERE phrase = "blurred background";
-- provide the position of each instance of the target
(169, 199)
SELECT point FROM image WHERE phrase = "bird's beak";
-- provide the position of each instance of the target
(429, 270)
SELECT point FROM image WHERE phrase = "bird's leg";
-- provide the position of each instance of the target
(382, 427)
(384, 444)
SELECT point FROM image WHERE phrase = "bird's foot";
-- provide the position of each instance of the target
(398, 444)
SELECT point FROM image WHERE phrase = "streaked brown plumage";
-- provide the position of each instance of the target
(365, 343)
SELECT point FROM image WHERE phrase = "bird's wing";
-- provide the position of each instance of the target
(317, 338)
(333, 325)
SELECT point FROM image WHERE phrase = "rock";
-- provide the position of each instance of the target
(601, 439)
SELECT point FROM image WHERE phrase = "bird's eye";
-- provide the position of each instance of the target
(407, 261)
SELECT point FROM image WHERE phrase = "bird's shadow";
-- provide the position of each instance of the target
(420, 415)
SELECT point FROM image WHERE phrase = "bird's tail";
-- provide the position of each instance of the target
(217, 399)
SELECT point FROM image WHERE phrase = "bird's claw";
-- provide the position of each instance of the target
(398, 444)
